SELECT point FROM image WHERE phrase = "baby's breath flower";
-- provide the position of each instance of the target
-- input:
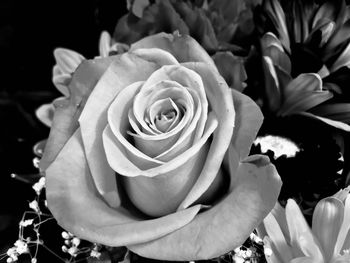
(25, 223)
(73, 251)
(268, 251)
(95, 254)
(34, 205)
(21, 247)
(38, 186)
(238, 259)
(65, 235)
(76, 241)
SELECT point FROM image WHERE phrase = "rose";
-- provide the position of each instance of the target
(157, 130)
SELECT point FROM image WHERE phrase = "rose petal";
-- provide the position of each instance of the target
(176, 44)
(67, 111)
(77, 206)
(193, 81)
(61, 80)
(232, 69)
(125, 163)
(220, 99)
(125, 69)
(248, 120)
(45, 114)
(227, 224)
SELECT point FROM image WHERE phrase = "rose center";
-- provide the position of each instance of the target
(163, 115)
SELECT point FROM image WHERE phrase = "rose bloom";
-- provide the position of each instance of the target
(150, 151)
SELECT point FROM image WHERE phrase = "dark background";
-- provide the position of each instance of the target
(29, 32)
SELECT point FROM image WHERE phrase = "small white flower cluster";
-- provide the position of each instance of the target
(35, 206)
(20, 247)
(256, 239)
(25, 223)
(95, 251)
(38, 186)
(71, 244)
(242, 255)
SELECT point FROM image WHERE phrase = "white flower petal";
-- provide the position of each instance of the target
(300, 233)
(344, 229)
(277, 238)
(326, 223)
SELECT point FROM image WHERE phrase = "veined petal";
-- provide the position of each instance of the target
(304, 260)
(277, 238)
(306, 82)
(257, 187)
(67, 60)
(303, 101)
(334, 111)
(272, 258)
(270, 39)
(104, 44)
(342, 60)
(337, 124)
(271, 84)
(280, 214)
(277, 16)
(344, 229)
(61, 80)
(77, 206)
(326, 223)
(300, 233)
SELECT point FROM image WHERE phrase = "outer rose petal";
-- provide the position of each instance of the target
(78, 207)
(45, 114)
(65, 120)
(227, 224)
(183, 47)
(220, 99)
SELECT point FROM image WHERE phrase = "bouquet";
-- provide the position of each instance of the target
(202, 131)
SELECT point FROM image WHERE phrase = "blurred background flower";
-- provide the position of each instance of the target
(291, 240)
(299, 77)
